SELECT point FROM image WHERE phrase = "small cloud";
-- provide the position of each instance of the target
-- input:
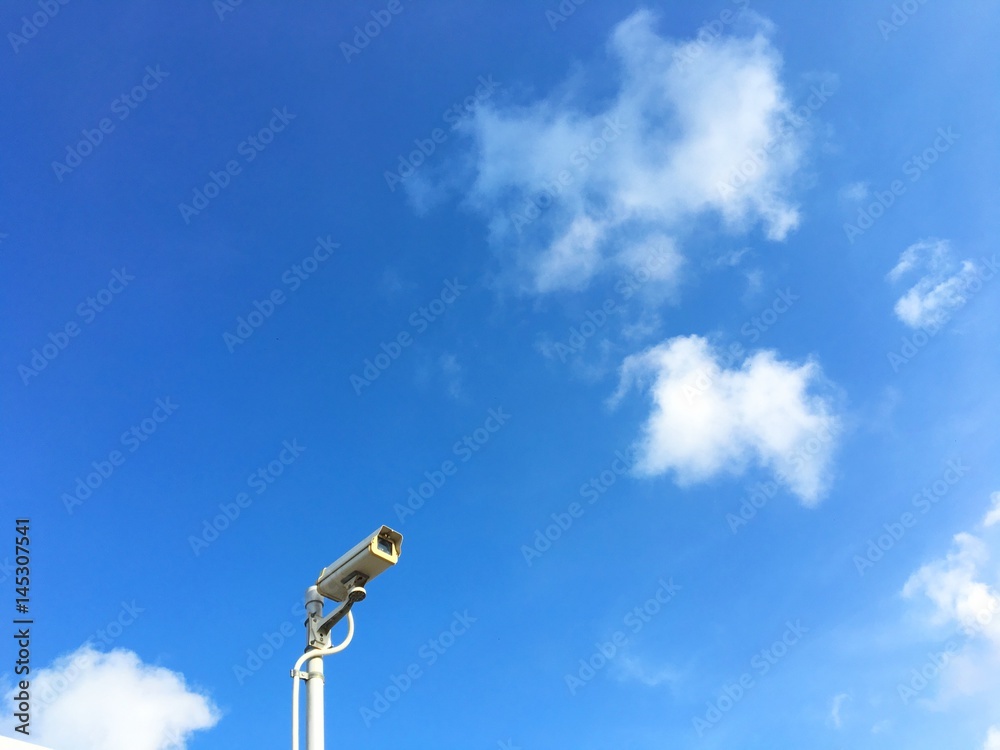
(881, 726)
(855, 192)
(452, 372)
(732, 258)
(710, 418)
(440, 373)
(392, 284)
(940, 289)
(755, 282)
(882, 413)
(643, 327)
(630, 669)
(838, 702)
(89, 700)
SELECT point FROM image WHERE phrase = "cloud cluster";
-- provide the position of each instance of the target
(941, 287)
(708, 418)
(691, 135)
(694, 128)
(90, 700)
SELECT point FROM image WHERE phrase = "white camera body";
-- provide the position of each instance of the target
(370, 557)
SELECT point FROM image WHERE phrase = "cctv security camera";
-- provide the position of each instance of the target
(342, 580)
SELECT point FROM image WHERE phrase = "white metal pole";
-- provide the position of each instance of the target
(314, 681)
(314, 704)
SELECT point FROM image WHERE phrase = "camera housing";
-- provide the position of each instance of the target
(376, 553)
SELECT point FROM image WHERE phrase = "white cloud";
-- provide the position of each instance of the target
(940, 289)
(694, 128)
(90, 700)
(708, 419)
(993, 515)
(992, 739)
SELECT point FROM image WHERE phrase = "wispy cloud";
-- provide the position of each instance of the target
(855, 192)
(695, 128)
(631, 669)
(452, 372)
(836, 705)
(941, 287)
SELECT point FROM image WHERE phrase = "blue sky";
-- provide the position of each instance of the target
(681, 321)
